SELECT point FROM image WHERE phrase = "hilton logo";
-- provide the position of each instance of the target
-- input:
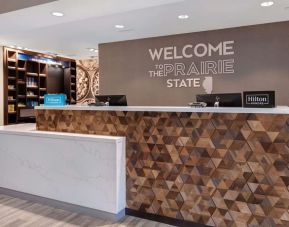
(258, 99)
(262, 99)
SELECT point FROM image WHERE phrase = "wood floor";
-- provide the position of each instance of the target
(15, 212)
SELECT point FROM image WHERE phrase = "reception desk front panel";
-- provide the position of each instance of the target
(218, 169)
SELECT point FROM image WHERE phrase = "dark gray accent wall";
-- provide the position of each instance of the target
(261, 62)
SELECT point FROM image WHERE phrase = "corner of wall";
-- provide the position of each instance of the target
(1, 87)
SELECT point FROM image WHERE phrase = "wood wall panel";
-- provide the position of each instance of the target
(216, 169)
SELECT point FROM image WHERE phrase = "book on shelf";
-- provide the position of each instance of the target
(11, 108)
(11, 87)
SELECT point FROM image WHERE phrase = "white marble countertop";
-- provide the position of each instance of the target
(277, 110)
(30, 128)
(82, 173)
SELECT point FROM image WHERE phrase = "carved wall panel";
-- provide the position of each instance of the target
(87, 80)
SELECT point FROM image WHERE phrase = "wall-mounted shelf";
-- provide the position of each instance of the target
(31, 96)
(32, 74)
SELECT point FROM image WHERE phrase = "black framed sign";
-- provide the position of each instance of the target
(259, 99)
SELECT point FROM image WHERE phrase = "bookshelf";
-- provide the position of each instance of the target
(25, 84)
(70, 82)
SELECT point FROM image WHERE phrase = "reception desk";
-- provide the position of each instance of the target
(214, 166)
(80, 173)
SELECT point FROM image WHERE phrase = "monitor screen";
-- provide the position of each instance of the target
(114, 100)
(225, 100)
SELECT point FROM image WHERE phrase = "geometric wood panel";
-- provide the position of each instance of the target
(218, 169)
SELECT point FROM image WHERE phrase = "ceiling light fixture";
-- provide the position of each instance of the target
(183, 16)
(57, 14)
(20, 48)
(119, 26)
(93, 50)
(267, 4)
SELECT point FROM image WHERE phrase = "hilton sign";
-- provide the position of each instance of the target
(262, 99)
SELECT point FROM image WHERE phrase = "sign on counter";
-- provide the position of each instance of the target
(259, 99)
(54, 100)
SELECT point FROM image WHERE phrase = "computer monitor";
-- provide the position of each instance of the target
(225, 100)
(114, 100)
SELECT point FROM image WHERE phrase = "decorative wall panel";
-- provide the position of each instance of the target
(87, 80)
(216, 169)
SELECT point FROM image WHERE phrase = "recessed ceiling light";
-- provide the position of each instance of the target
(92, 50)
(267, 4)
(183, 16)
(57, 14)
(12, 46)
(119, 26)
(25, 48)
(20, 48)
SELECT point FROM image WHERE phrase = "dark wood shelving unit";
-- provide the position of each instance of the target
(70, 82)
(42, 85)
(25, 83)
(10, 84)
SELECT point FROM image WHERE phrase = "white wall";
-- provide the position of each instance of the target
(1, 87)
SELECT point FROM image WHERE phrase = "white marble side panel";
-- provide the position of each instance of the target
(81, 172)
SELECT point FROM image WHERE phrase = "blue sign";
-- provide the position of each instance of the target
(54, 100)
(22, 56)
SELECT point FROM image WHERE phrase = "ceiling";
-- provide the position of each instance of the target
(89, 22)
(12, 5)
